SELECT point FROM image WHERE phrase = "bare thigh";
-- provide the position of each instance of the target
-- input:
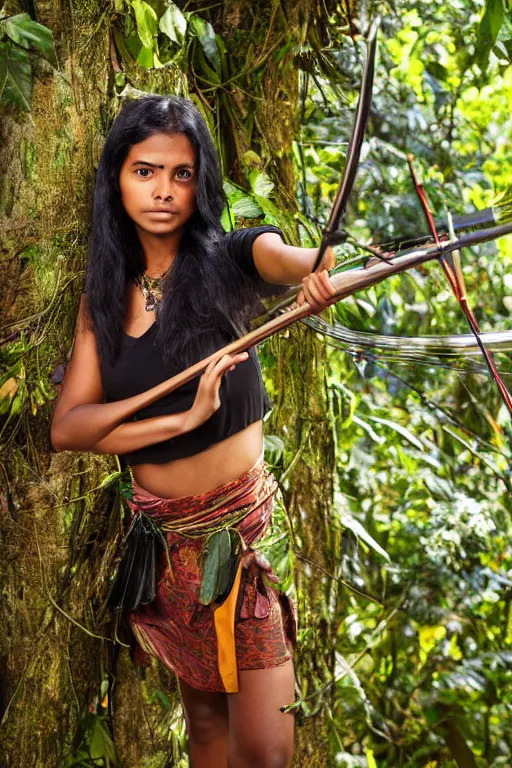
(206, 715)
(260, 735)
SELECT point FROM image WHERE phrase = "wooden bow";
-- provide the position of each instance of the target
(345, 284)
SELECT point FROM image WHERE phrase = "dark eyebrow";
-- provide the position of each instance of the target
(153, 165)
(145, 162)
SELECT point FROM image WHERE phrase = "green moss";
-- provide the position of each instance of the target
(63, 147)
(30, 254)
(87, 11)
(6, 194)
(28, 156)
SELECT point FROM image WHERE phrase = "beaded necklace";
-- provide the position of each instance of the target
(152, 289)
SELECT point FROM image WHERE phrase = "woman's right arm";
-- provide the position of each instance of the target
(82, 421)
(134, 435)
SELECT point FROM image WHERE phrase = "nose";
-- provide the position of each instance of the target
(163, 190)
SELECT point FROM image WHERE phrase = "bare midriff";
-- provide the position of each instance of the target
(198, 474)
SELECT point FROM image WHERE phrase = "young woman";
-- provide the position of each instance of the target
(165, 287)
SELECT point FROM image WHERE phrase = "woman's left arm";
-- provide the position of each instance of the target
(284, 264)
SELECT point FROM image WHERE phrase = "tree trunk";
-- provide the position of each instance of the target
(59, 525)
(50, 667)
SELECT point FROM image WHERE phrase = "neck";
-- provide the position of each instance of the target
(159, 250)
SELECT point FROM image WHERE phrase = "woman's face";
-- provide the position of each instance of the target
(158, 183)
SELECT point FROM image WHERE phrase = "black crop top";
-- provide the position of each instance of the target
(139, 365)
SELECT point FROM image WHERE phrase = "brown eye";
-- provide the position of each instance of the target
(143, 172)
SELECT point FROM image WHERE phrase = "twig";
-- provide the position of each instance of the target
(50, 598)
(340, 581)
(323, 689)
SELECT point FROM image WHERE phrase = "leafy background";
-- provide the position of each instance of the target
(423, 452)
(409, 650)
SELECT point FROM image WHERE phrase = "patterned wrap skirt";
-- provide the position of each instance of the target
(255, 626)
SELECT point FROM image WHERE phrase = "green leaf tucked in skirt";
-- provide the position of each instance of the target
(220, 559)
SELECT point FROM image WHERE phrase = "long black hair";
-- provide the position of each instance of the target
(206, 296)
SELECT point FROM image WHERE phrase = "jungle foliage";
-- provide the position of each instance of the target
(412, 638)
(23, 41)
(423, 450)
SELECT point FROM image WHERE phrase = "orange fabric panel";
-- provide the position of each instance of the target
(224, 617)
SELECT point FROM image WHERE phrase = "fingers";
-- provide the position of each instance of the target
(207, 399)
(209, 385)
(229, 362)
(317, 291)
(225, 363)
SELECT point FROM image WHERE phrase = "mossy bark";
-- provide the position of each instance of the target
(55, 648)
(59, 535)
(297, 377)
(50, 667)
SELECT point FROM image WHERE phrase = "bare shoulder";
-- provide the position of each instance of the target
(82, 381)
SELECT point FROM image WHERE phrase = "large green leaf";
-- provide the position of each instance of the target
(102, 746)
(211, 74)
(400, 429)
(273, 215)
(206, 36)
(350, 522)
(245, 207)
(217, 552)
(15, 77)
(274, 448)
(145, 58)
(220, 552)
(225, 220)
(173, 24)
(30, 35)
(242, 205)
(260, 184)
(489, 29)
(147, 22)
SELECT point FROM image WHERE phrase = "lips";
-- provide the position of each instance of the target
(163, 210)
